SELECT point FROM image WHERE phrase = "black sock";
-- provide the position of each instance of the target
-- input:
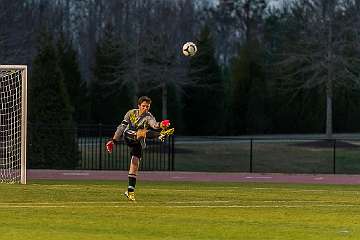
(132, 182)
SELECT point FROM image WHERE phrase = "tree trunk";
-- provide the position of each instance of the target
(164, 100)
(135, 95)
(329, 108)
(329, 84)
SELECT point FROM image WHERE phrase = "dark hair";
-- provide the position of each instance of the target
(144, 99)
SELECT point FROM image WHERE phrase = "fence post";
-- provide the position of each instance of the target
(334, 156)
(251, 155)
(100, 145)
(173, 152)
(169, 153)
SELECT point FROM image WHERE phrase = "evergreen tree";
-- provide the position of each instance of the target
(345, 110)
(226, 75)
(109, 94)
(76, 88)
(302, 113)
(52, 137)
(249, 91)
(203, 104)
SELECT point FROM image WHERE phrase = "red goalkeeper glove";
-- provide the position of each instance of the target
(109, 146)
(165, 123)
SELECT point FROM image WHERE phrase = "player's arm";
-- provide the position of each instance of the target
(157, 125)
(118, 133)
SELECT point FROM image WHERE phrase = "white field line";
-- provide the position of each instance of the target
(75, 174)
(311, 190)
(234, 189)
(220, 189)
(185, 206)
(264, 206)
(258, 177)
(48, 203)
(231, 189)
(99, 202)
(307, 202)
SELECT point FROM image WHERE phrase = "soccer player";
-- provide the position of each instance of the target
(138, 124)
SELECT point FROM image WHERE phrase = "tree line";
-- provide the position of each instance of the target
(289, 68)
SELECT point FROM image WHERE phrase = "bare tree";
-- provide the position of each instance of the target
(324, 53)
(165, 64)
(87, 23)
(236, 21)
(16, 29)
(153, 32)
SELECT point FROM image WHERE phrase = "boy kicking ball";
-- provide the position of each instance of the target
(137, 125)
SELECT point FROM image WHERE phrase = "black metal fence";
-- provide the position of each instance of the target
(281, 154)
(90, 140)
(273, 153)
(157, 155)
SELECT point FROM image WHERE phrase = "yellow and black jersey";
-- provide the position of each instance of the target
(133, 121)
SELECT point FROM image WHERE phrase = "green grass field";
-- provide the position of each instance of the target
(97, 210)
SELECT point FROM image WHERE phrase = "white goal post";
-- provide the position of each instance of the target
(13, 123)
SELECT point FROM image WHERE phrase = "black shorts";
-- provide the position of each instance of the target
(135, 147)
(133, 143)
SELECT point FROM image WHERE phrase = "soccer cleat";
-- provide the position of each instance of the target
(165, 133)
(130, 196)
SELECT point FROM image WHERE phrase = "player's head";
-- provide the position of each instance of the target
(144, 104)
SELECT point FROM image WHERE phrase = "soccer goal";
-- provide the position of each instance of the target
(13, 121)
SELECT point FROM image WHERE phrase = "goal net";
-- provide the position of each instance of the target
(13, 81)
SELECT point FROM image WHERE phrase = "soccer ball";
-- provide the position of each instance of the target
(189, 49)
